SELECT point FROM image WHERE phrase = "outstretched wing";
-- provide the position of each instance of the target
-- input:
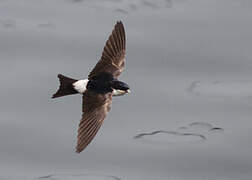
(95, 108)
(113, 55)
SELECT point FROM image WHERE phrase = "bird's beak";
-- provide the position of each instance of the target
(128, 91)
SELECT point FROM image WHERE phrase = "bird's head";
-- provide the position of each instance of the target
(119, 88)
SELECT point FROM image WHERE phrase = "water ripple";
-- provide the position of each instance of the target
(87, 176)
(170, 136)
(193, 132)
(127, 6)
(238, 89)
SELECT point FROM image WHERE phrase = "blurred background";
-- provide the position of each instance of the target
(189, 68)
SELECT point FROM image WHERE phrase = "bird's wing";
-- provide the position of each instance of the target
(95, 108)
(113, 55)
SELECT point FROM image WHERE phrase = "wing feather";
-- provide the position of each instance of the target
(116, 41)
(118, 37)
(113, 55)
(89, 137)
(95, 108)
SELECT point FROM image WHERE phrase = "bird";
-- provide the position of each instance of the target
(99, 88)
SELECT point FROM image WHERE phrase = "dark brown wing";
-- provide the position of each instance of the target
(95, 108)
(113, 55)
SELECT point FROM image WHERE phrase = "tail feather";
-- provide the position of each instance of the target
(66, 86)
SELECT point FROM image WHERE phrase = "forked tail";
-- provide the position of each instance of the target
(66, 86)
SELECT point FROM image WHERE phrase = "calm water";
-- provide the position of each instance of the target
(189, 68)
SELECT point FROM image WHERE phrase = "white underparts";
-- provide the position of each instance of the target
(80, 85)
(117, 92)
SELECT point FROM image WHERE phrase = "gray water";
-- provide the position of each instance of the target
(189, 68)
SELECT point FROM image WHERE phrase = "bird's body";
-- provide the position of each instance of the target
(101, 85)
(98, 89)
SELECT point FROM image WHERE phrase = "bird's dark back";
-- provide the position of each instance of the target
(100, 84)
(105, 83)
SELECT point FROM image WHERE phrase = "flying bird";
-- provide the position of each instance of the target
(97, 90)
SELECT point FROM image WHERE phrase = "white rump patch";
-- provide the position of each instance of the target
(80, 85)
